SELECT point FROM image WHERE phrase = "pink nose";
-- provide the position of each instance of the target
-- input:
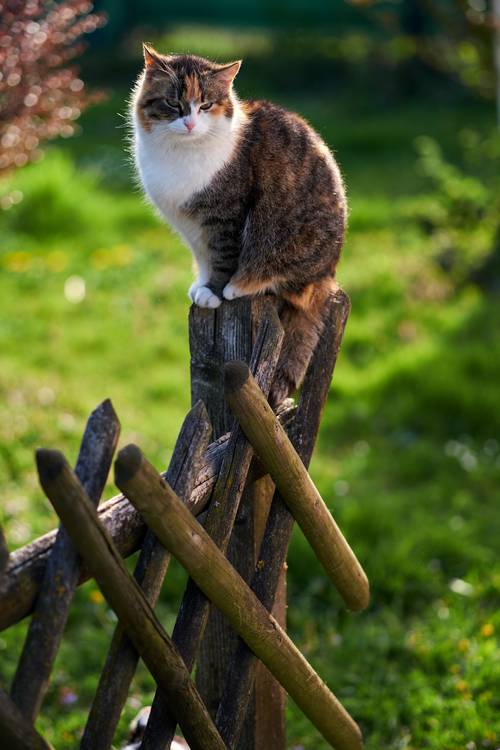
(189, 125)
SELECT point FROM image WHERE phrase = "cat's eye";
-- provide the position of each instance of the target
(206, 106)
(172, 103)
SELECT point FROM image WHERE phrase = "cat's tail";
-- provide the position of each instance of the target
(302, 318)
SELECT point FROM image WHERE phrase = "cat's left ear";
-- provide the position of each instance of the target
(225, 76)
(152, 58)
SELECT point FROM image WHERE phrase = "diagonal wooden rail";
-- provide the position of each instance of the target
(150, 571)
(124, 595)
(179, 531)
(62, 572)
(277, 454)
(15, 732)
(4, 556)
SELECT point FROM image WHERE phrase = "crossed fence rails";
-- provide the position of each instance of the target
(191, 512)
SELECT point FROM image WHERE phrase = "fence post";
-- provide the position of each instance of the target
(216, 337)
(266, 719)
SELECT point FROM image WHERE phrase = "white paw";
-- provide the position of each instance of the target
(232, 291)
(194, 288)
(204, 297)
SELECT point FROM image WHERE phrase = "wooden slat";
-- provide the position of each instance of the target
(272, 557)
(4, 556)
(186, 539)
(192, 618)
(26, 566)
(268, 716)
(277, 454)
(151, 567)
(15, 732)
(125, 596)
(62, 572)
(215, 337)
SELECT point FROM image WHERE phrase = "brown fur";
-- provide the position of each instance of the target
(274, 216)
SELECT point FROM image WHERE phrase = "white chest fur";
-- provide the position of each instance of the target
(172, 170)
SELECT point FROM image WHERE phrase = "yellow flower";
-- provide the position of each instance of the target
(463, 645)
(96, 597)
(56, 260)
(18, 261)
(111, 257)
(487, 630)
(462, 686)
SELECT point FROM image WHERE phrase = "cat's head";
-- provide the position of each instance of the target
(188, 95)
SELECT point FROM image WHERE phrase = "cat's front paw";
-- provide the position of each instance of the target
(232, 291)
(194, 288)
(204, 297)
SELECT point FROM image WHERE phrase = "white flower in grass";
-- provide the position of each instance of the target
(74, 289)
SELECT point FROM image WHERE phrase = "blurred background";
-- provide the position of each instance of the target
(93, 304)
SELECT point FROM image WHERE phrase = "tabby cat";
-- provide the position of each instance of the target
(251, 188)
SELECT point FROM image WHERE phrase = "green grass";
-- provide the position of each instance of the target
(408, 456)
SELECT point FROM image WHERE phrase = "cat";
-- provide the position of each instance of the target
(251, 188)
(138, 727)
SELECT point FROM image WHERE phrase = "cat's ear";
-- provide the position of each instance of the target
(225, 75)
(152, 58)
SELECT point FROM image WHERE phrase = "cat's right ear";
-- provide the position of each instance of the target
(152, 58)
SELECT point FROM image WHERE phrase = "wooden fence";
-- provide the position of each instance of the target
(225, 509)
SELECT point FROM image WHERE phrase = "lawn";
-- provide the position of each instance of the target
(93, 304)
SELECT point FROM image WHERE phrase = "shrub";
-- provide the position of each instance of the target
(462, 212)
(40, 96)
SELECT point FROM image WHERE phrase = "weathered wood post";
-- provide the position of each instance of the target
(216, 337)
(268, 574)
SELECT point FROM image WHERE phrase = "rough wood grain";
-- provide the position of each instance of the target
(215, 337)
(219, 641)
(4, 556)
(267, 704)
(125, 596)
(61, 575)
(15, 732)
(179, 531)
(276, 452)
(225, 500)
(272, 557)
(26, 566)
(303, 433)
(150, 570)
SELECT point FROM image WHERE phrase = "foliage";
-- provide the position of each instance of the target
(93, 304)
(454, 37)
(40, 97)
(462, 214)
(408, 457)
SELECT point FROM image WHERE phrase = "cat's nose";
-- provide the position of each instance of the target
(189, 125)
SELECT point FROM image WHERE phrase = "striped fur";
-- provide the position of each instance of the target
(252, 189)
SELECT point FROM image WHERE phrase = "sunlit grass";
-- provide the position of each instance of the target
(93, 304)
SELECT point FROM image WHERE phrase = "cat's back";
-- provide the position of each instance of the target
(273, 122)
(285, 151)
(281, 134)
